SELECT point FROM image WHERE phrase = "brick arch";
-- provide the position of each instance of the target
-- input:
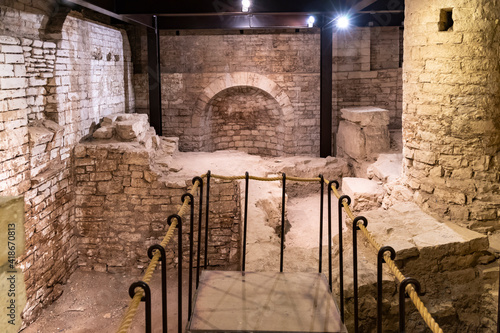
(245, 79)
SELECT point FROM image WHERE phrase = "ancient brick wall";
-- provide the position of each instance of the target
(247, 119)
(366, 66)
(367, 70)
(115, 184)
(46, 106)
(25, 18)
(191, 62)
(92, 78)
(451, 121)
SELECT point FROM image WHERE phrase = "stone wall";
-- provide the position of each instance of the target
(367, 70)
(45, 108)
(366, 66)
(283, 64)
(26, 18)
(247, 119)
(119, 183)
(92, 76)
(451, 122)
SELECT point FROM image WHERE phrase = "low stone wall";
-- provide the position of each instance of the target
(122, 207)
(454, 266)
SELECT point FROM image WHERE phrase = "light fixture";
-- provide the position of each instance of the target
(310, 21)
(343, 22)
(245, 4)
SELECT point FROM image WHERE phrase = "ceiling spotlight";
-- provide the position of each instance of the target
(343, 22)
(310, 21)
(245, 4)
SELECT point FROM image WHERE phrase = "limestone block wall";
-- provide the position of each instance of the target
(38, 85)
(92, 78)
(367, 70)
(122, 206)
(451, 120)
(25, 18)
(37, 165)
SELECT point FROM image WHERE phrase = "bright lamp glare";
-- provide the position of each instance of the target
(246, 5)
(342, 22)
(310, 21)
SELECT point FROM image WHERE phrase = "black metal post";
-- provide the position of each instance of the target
(191, 247)
(245, 219)
(380, 261)
(341, 255)
(326, 78)
(355, 228)
(146, 298)
(330, 276)
(179, 264)
(402, 296)
(154, 73)
(207, 214)
(321, 204)
(163, 259)
(200, 213)
(283, 222)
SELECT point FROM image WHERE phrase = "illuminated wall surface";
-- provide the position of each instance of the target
(451, 109)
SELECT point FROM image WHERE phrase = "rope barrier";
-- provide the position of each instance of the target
(136, 300)
(429, 320)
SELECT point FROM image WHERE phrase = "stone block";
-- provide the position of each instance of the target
(388, 167)
(6, 70)
(377, 139)
(366, 116)
(363, 133)
(8, 40)
(365, 194)
(39, 135)
(14, 58)
(13, 138)
(103, 133)
(350, 141)
(13, 83)
(129, 130)
(11, 49)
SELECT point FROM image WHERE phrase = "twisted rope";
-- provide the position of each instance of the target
(429, 320)
(129, 315)
(134, 303)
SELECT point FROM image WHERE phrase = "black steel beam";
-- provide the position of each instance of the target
(154, 73)
(233, 21)
(269, 21)
(326, 87)
(226, 14)
(107, 7)
(227, 6)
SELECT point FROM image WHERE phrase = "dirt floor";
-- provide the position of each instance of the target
(95, 302)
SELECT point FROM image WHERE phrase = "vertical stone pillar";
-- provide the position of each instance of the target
(451, 108)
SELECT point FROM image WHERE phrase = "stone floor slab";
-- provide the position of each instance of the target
(264, 302)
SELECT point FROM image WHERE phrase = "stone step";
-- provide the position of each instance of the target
(387, 169)
(365, 194)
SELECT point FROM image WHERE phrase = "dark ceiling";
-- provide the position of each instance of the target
(227, 14)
